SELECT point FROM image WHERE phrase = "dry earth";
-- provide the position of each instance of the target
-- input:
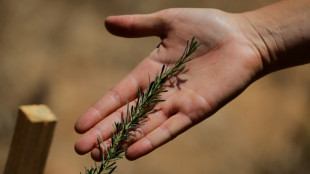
(58, 52)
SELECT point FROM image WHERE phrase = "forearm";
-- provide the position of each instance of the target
(282, 33)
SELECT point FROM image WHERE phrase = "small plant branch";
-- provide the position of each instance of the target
(136, 114)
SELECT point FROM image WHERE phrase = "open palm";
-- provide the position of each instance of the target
(225, 64)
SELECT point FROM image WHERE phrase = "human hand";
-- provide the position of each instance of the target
(226, 63)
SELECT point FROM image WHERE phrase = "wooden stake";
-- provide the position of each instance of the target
(31, 140)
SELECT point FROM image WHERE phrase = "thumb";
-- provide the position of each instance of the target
(136, 25)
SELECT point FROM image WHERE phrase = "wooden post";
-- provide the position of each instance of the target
(31, 140)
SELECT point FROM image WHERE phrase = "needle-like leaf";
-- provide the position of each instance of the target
(136, 114)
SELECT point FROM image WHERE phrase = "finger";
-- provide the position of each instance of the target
(103, 129)
(111, 101)
(153, 121)
(125, 90)
(96, 154)
(174, 126)
(136, 25)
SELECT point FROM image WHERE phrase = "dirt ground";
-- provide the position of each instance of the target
(58, 52)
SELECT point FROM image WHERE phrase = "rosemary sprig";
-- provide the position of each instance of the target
(136, 114)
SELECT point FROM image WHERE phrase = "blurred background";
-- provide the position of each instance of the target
(58, 52)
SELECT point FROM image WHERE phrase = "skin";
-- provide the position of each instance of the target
(236, 50)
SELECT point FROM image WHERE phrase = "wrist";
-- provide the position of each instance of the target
(266, 37)
(280, 32)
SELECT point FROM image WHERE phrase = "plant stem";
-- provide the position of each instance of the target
(138, 113)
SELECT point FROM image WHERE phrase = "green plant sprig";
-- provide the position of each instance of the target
(136, 114)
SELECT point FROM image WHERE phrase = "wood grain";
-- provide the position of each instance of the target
(31, 140)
